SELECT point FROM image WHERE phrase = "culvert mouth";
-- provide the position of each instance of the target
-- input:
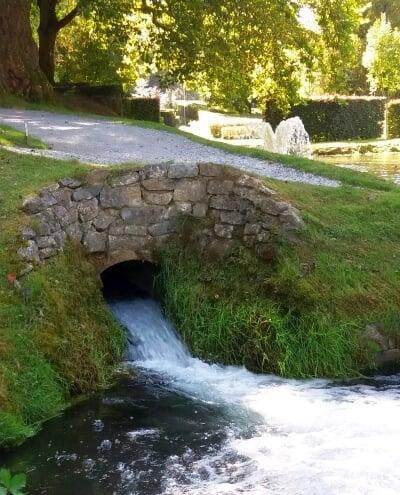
(129, 280)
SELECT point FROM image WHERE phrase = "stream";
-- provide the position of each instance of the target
(176, 425)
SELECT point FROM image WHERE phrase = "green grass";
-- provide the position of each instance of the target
(57, 338)
(304, 314)
(13, 137)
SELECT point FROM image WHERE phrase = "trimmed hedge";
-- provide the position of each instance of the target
(336, 119)
(394, 119)
(142, 109)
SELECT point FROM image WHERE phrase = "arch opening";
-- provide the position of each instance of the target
(129, 280)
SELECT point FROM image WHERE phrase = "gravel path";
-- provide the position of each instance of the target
(107, 142)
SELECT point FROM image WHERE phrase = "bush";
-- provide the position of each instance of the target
(142, 108)
(169, 118)
(337, 119)
(394, 120)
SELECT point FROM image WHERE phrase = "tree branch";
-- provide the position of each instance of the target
(68, 18)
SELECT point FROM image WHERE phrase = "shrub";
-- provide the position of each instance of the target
(142, 108)
(394, 119)
(169, 118)
(337, 119)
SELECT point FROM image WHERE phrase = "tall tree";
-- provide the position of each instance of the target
(19, 61)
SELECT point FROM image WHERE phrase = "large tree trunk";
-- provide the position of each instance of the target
(19, 60)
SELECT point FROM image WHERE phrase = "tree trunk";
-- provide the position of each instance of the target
(47, 42)
(19, 61)
(48, 30)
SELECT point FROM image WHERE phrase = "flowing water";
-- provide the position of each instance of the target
(386, 165)
(183, 426)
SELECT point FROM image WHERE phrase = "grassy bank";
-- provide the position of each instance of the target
(57, 338)
(304, 312)
(12, 137)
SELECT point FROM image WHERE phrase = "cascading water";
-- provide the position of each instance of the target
(183, 426)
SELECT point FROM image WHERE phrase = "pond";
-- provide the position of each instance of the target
(176, 425)
(386, 165)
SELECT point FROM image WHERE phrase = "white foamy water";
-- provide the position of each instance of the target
(309, 437)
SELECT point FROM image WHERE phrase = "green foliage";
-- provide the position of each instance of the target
(96, 47)
(11, 485)
(337, 119)
(142, 109)
(394, 120)
(382, 57)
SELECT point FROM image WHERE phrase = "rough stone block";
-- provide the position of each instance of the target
(95, 242)
(228, 203)
(98, 176)
(273, 207)
(291, 219)
(232, 217)
(211, 169)
(179, 208)
(129, 242)
(224, 230)
(119, 197)
(162, 228)
(27, 233)
(190, 190)
(125, 179)
(35, 204)
(200, 210)
(102, 221)
(70, 182)
(155, 171)
(82, 194)
(136, 230)
(252, 229)
(142, 215)
(157, 198)
(161, 184)
(46, 242)
(63, 197)
(182, 170)
(88, 210)
(30, 252)
(45, 223)
(216, 186)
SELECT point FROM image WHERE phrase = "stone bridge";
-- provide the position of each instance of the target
(128, 215)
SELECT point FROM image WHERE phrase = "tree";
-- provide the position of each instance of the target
(19, 61)
(382, 57)
(239, 51)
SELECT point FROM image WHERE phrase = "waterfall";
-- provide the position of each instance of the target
(309, 437)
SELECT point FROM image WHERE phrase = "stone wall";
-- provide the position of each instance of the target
(130, 214)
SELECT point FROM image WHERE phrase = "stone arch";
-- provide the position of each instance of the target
(128, 215)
